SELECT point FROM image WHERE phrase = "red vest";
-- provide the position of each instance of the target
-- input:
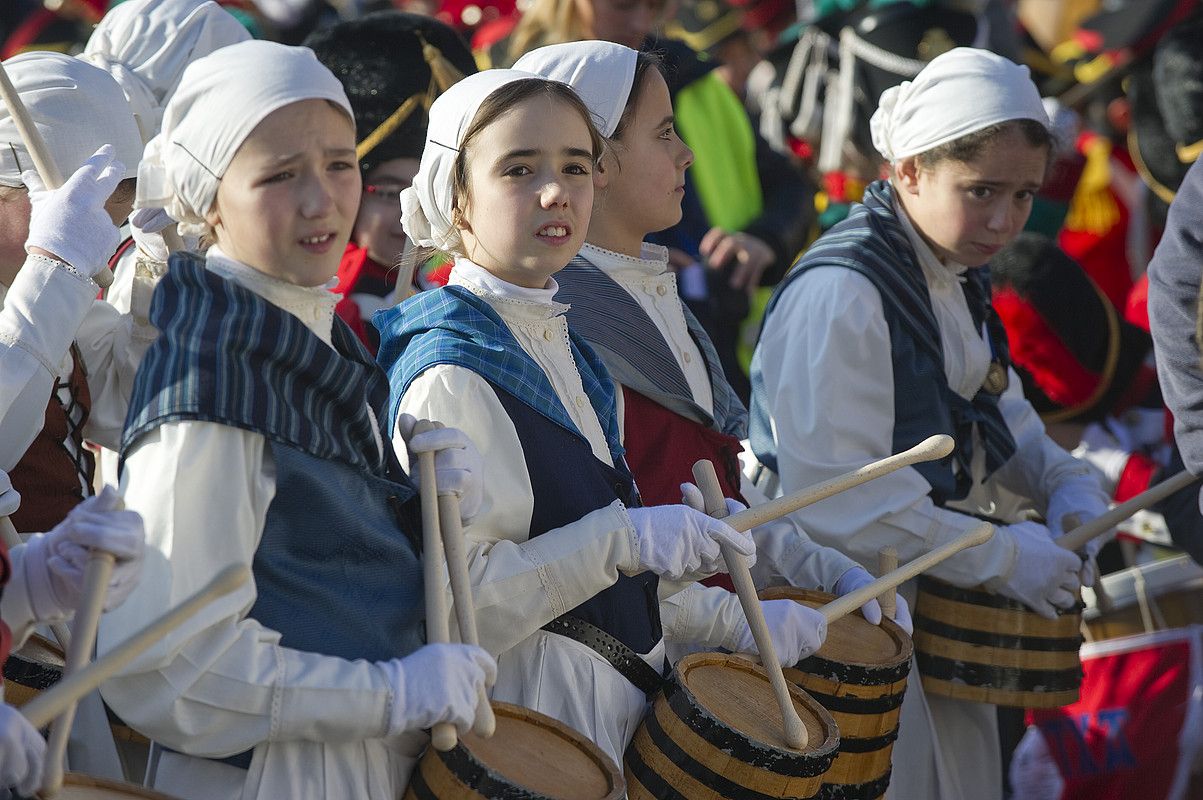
(661, 448)
(47, 476)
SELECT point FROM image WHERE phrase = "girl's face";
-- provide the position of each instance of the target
(378, 226)
(287, 203)
(644, 180)
(530, 192)
(627, 22)
(968, 211)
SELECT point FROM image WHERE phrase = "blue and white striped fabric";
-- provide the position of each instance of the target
(453, 326)
(635, 352)
(226, 355)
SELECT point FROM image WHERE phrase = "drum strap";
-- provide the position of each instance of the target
(629, 663)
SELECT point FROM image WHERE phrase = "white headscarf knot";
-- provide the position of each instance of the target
(956, 94)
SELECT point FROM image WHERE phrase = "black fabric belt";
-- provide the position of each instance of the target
(628, 663)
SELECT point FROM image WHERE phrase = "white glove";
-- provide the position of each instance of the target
(1083, 498)
(438, 683)
(54, 562)
(682, 543)
(1045, 576)
(22, 753)
(10, 498)
(857, 577)
(71, 222)
(691, 496)
(1103, 451)
(146, 225)
(458, 465)
(797, 631)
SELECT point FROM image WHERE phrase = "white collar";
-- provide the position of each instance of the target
(652, 260)
(527, 302)
(313, 305)
(937, 272)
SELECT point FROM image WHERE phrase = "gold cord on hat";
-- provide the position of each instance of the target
(1109, 365)
(443, 75)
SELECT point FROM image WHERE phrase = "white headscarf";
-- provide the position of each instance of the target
(427, 205)
(957, 93)
(220, 100)
(602, 73)
(145, 45)
(76, 107)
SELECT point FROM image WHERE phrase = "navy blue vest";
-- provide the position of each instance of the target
(570, 482)
(337, 570)
(871, 241)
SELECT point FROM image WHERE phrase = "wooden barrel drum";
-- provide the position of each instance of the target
(530, 757)
(859, 675)
(974, 645)
(716, 732)
(37, 666)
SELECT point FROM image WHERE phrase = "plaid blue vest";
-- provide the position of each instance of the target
(337, 570)
(871, 241)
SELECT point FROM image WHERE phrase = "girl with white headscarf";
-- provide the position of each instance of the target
(254, 438)
(565, 565)
(677, 404)
(883, 334)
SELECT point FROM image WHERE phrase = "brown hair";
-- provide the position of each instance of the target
(644, 64)
(971, 145)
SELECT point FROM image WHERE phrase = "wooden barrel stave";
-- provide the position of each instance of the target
(972, 645)
(77, 786)
(863, 693)
(35, 667)
(715, 732)
(530, 757)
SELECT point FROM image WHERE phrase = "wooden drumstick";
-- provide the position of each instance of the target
(442, 736)
(97, 574)
(1078, 537)
(842, 606)
(13, 539)
(43, 161)
(887, 562)
(451, 525)
(930, 449)
(52, 702)
(716, 506)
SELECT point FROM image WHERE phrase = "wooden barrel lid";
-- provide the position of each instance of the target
(545, 756)
(737, 692)
(852, 640)
(77, 786)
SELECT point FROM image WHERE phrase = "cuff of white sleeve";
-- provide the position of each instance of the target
(44, 308)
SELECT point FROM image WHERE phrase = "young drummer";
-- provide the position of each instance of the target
(565, 564)
(883, 335)
(677, 406)
(393, 65)
(42, 581)
(67, 363)
(254, 437)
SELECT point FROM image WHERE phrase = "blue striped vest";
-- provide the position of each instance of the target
(337, 570)
(871, 241)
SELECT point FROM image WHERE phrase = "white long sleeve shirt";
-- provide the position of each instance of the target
(221, 683)
(784, 553)
(47, 307)
(826, 360)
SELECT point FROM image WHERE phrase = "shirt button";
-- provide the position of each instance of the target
(688, 358)
(660, 290)
(547, 334)
(580, 401)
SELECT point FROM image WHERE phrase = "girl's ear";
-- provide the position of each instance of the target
(213, 216)
(905, 173)
(604, 169)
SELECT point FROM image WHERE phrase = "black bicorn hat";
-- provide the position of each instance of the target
(392, 66)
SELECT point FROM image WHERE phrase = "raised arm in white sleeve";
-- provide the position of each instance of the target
(221, 683)
(826, 361)
(518, 584)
